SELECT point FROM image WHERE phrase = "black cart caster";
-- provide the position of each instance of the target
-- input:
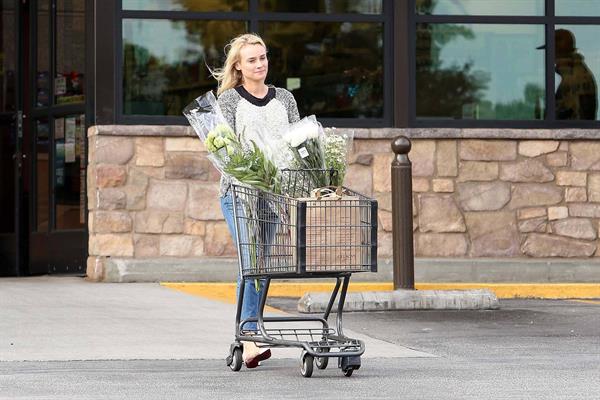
(234, 360)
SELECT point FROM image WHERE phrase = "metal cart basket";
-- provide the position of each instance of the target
(298, 236)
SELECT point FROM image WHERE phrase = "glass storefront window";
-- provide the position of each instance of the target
(334, 69)
(70, 51)
(480, 71)
(186, 5)
(43, 54)
(69, 171)
(480, 7)
(577, 68)
(322, 6)
(164, 62)
(42, 169)
(582, 8)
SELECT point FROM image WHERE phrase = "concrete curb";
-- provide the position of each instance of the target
(434, 270)
(480, 299)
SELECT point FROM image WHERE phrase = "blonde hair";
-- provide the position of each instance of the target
(227, 76)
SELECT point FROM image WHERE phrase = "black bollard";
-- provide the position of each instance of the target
(402, 217)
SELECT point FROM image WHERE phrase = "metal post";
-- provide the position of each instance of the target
(402, 223)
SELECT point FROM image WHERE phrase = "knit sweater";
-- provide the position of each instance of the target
(251, 115)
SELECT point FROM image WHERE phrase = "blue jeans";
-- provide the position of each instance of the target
(251, 299)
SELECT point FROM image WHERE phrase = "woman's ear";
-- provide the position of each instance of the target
(237, 66)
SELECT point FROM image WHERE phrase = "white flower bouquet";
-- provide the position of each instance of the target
(337, 148)
(230, 154)
(305, 139)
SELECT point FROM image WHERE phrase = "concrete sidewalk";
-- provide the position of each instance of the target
(68, 318)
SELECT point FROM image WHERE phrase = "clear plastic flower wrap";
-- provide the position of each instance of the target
(247, 161)
(305, 139)
(338, 145)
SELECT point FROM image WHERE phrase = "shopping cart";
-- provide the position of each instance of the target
(298, 236)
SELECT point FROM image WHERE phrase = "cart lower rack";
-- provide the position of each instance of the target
(285, 237)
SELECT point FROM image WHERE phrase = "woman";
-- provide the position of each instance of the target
(249, 105)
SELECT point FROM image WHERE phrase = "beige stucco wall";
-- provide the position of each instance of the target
(152, 193)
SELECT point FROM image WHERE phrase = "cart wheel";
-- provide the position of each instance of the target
(307, 365)
(348, 372)
(236, 359)
(321, 362)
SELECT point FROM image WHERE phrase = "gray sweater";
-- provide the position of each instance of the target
(249, 115)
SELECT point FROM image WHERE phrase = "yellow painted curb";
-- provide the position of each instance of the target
(226, 291)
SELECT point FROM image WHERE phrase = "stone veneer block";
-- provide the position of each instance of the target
(439, 214)
(203, 203)
(385, 220)
(528, 170)
(534, 194)
(359, 178)
(218, 240)
(176, 245)
(149, 151)
(187, 166)
(478, 171)
(420, 185)
(533, 225)
(555, 213)
(193, 227)
(594, 188)
(488, 150)
(422, 156)
(166, 195)
(575, 194)
(527, 213)
(585, 156)
(558, 159)
(382, 176)
(110, 222)
(184, 144)
(110, 199)
(534, 148)
(577, 228)
(157, 221)
(146, 245)
(571, 178)
(541, 245)
(108, 175)
(584, 210)
(446, 158)
(493, 234)
(441, 244)
(443, 185)
(111, 245)
(483, 196)
(111, 150)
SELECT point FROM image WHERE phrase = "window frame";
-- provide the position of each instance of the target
(549, 20)
(253, 17)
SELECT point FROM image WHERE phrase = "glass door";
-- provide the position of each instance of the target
(10, 139)
(58, 236)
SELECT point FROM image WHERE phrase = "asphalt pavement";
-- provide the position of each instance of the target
(65, 338)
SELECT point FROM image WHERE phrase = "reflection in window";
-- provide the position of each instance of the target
(43, 54)
(69, 171)
(480, 71)
(334, 69)
(481, 7)
(186, 5)
(323, 6)
(70, 51)
(42, 169)
(577, 66)
(582, 8)
(164, 62)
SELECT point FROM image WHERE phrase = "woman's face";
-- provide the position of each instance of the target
(253, 63)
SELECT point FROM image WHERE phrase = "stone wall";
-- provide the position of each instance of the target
(153, 194)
